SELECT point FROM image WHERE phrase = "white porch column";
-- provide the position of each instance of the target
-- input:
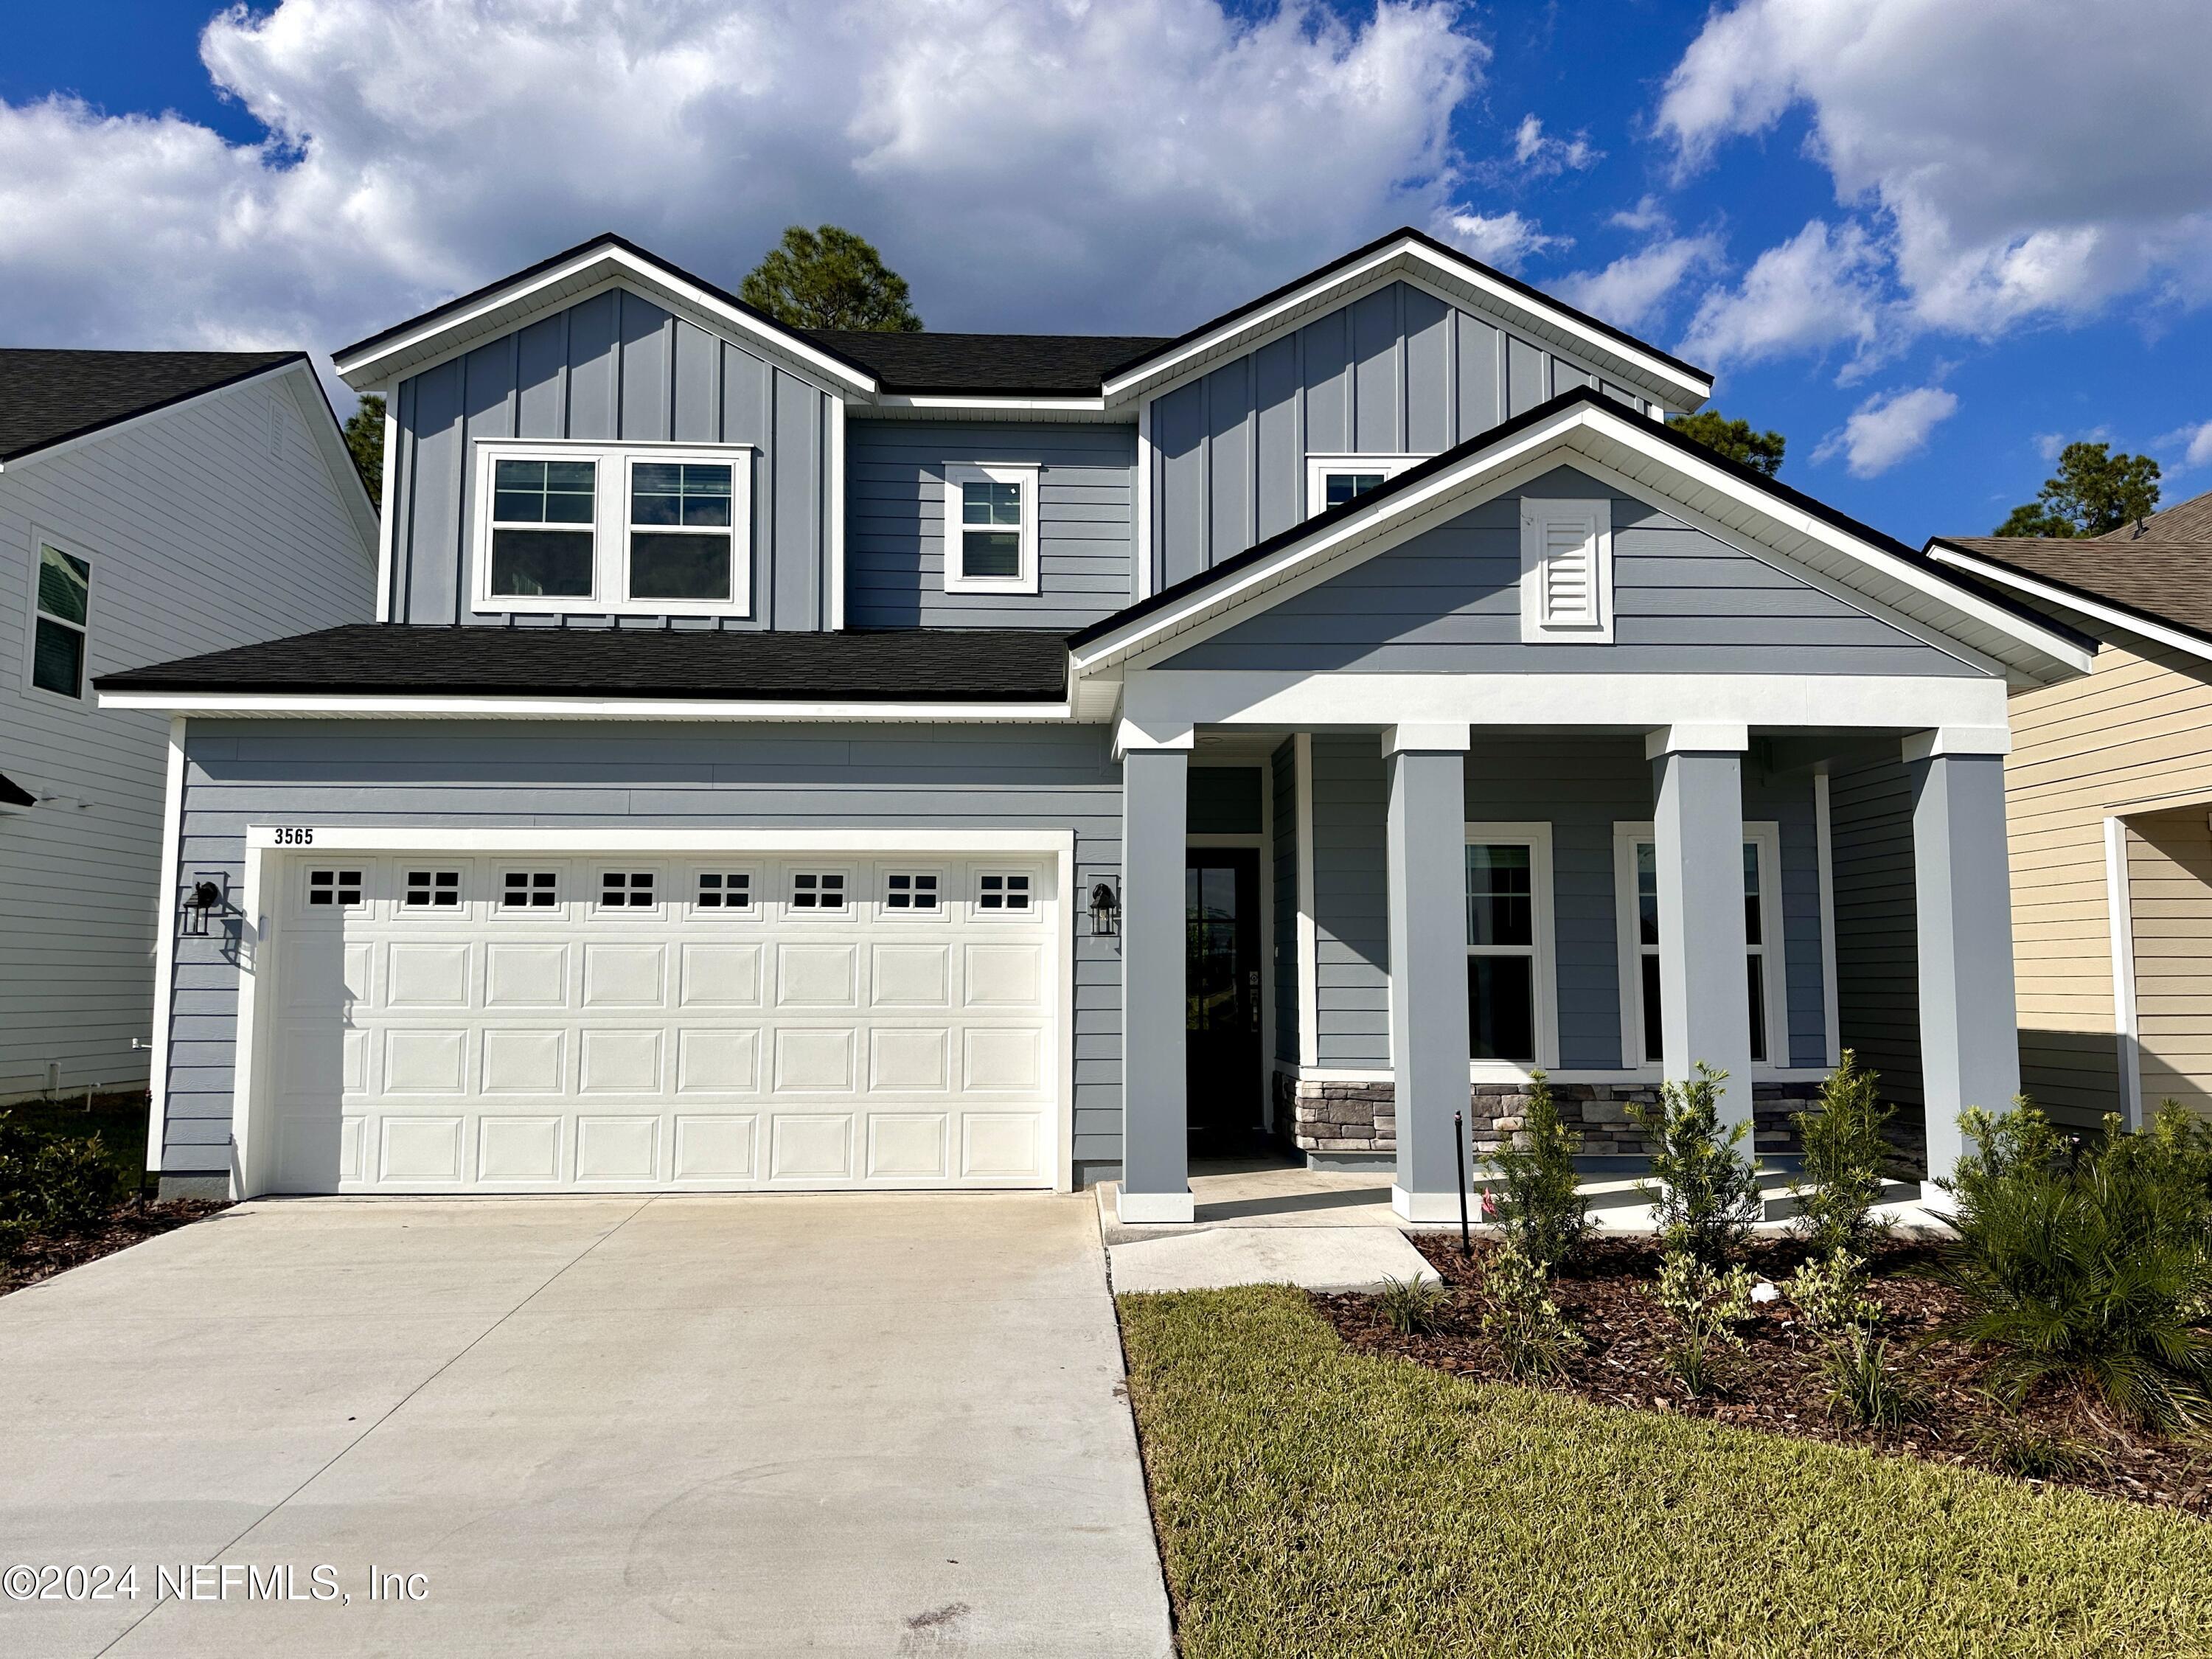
(1705, 989)
(1427, 880)
(1155, 1116)
(1962, 886)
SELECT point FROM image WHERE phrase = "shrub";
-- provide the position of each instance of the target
(1843, 1156)
(1541, 1208)
(1533, 1337)
(1831, 1292)
(1862, 1387)
(50, 1183)
(1412, 1307)
(1708, 1306)
(2029, 1453)
(1705, 1193)
(2086, 1266)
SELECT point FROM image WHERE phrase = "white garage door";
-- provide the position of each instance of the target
(527, 1023)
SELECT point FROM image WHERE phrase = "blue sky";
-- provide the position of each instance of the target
(1843, 207)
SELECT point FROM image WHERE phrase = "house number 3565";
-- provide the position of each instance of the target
(294, 835)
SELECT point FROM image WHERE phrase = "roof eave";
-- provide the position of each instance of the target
(2113, 613)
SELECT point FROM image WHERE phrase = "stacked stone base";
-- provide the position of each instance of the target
(1333, 1120)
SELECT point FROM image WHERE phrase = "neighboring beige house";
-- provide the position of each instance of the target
(2109, 807)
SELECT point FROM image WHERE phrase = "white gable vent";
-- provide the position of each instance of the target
(1566, 571)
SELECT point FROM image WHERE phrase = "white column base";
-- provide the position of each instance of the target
(1431, 1206)
(1153, 1209)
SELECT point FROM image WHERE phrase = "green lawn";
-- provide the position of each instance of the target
(1315, 1501)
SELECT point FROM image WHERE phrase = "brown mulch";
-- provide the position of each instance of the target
(1777, 1383)
(130, 1224)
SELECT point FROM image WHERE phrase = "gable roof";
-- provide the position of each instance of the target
(50, 397)
(1585, 424)
(1406, 251)
(2158, 587)
(992, 364)
(2184, 521)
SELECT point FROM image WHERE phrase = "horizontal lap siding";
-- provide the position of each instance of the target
(457, 774)
(1449, 601)
(2169, 900)
(614, 367)
(894, 523)
(1398, 371)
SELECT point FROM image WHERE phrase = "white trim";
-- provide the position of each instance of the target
(1455, 737)
(1825, 847)
(835, 466)
(1025, 475)
(255, 942)
(2142, 628)
(319, 705)
(165, 900)
(1543, 949)
(1152, 1209)
(386, 518)
(2126, 1027)
(69, 547)
(976, 405)
(1130, 733)
(1484, 1071)
(1584, 614)
(1074, 909)
(1144, 526)
(1309, 928)
(797, 842)
(1265, 897)
(1719, 737)
(1956, 740)
(1765, 833)
(1319, 467)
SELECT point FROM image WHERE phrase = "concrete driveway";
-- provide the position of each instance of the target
(883, 1425)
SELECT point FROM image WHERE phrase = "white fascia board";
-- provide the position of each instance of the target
(249, 705)
(1658, 378)
(570, 282)
(348, 838)
(2111, 616)
(958, 406)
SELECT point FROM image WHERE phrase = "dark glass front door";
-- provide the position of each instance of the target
(1221, 912)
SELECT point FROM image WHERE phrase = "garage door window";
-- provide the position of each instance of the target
(529, 890)
(1002, 892)
(433, 890)
(338, 889)
(818, 890)
(627, 889)
(910, 890)
(725, 889)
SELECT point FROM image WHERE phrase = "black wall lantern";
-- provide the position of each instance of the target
(201, 898)
(1105, 911)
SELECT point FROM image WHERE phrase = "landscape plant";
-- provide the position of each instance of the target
(1830, 1291)
(1863, 1387)
(1844, 1154)
(1541, 1205)
(1412, 1307)
(1709, 1307)
(1532, 1338)
(50, 1183)
(1704, 1193)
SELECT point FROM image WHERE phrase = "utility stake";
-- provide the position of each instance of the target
(1459, 1157)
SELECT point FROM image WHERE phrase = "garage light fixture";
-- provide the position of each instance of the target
(1105, 912)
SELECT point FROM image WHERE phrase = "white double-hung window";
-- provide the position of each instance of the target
(1333, 480)
(642, 529)
(991, 527)
(1636, 877)
(1512, 1016)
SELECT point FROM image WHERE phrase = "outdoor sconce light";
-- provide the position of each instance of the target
(1104, 911)
(202, 897)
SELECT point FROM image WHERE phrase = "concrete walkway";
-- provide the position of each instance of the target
(882, 1425)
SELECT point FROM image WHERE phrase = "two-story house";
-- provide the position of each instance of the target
(793, 759)
(151, 502)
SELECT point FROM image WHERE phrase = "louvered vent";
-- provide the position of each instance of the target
(1566, 575)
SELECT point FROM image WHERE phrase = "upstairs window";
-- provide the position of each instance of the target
(1566, 571)
(1333, 480)
(542, 518)
(62, 616)
(991, 528)
(679, 531)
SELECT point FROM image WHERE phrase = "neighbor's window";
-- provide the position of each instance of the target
(1333, 480)
(1759, 855)
(63, 615)
(541, 517)
(679, 531)
(991, 528)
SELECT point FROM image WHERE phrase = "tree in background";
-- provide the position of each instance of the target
(1759, 450)
(829, 278)
(364, 441)
(2093, 491)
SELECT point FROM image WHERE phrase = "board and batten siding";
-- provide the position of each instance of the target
(894, 523)
(1449, 601)
(459, 774)
(1877, 933)
(1397, 371)
(216, 525)
(1581, 787)
(615, 367)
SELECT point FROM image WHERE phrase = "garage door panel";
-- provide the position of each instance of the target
(620, 1060)
(623, 976)
(907, 1145)
(999, 1146)
(520, 975)
(1002, 1059)
(721, 975)
(908, 1059)
(526, 1061)
(717, 1148)
(519, 1149)
(428, 974)
(911, 976)
(624, 1149)
(1005, 975)
(814, 1058)
(817, 975)
(810, 1146)
(420, 1149)
(419, 1061)
(321, 1061)
(710, 1061)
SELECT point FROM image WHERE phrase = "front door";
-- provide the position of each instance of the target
(1221, 912)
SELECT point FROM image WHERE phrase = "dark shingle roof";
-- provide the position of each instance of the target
(980, 665)
(13, 793)
(999, 364)
(2161, 580)
(47, 396)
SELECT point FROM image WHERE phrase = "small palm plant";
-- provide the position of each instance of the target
(1704, 1193)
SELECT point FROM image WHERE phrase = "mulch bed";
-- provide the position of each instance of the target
(130, 1224)
(1777, 1383)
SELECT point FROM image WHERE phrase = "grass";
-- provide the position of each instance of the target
(119, 1121)
(1312, 1501)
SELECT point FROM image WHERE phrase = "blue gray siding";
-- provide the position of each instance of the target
(459, 775)
(1396, 372)
(614, 366)
(1877, 943)
(1283, 877)
(1582, 788)
(1449, 601)
(894, 523)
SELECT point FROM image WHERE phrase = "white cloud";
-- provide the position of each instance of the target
(1025, 164)
(1630, 290)
(1887, 429)
(1645, 217)
(1503, 239)
(2032, 158)
(1544, 155)
(1815, 291)
(2194, 441)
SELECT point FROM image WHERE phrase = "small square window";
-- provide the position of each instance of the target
(341, 887)
(433, 890)
(626, 889)
(529, 890)
(725, 889)
(817, 891)
(1003, 893)
(910, 892)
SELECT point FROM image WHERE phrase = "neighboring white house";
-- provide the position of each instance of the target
(151, 502)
